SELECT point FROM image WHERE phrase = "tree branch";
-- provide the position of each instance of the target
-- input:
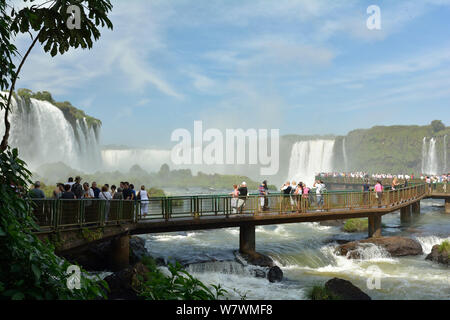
(4, 143)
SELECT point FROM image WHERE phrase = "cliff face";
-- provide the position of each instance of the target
(71, 113)
(396, 148)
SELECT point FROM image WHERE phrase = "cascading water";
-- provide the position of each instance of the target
(429, 157)
(344, 153)
(43, 135)
(445, 153)
(310, 157)
(424, 154)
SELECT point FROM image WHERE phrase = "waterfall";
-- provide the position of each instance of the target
(123, 160)
(344, 152)
(429, 157)
(424, 153)
(309, 158)
(445, 154)
(43, 135)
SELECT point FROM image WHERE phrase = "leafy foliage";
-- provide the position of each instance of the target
(180, 285)
(29, 269)
(356, 225)
(321, 293)
(444, 246)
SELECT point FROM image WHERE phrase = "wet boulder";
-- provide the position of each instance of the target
(345, 290)
(275, 274)
(439, 254)
(258, 259)
(125, 284)
(137, 249)
(395, 246)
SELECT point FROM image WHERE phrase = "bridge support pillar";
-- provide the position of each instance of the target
(447, 205)
(247, 239)
(405, 214)
(375, 226)
(415, 207)
(120, 253)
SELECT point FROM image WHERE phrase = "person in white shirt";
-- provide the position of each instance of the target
(143, 196)
(105, 195)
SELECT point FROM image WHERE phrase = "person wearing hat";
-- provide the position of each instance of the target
(36, 192)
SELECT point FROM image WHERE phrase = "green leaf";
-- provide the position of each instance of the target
(36, 271)
(18, 296)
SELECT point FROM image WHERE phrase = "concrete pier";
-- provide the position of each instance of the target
(120, 255)
(247, 239)
(405, 214)
(415, 207)
(375, 226)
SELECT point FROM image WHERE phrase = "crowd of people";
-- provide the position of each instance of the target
(75, 189)
(292, 193)
(433, 178)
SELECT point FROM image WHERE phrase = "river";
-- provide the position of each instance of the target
(305, 253)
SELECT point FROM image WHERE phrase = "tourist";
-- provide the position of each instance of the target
(394, 183)
(58, 191)
(127, 194)
(379, 192)
(320, 186)
(143, 196)
(36, 192)
(266, 197)
(133, 192)
(366, 190)
(88, 193)
(105, 195)
(70, 182)
(68, 194)
(77, 189)
(113, 190)
(293, 198)
(262, 195)
(234, 198)
(243, 191)
(118, 195)
(299, 195)
(286, 189)
(95, 190)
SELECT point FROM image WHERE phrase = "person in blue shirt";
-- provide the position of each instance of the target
(95, 189)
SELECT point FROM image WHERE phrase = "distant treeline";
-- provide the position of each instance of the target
(182, 178)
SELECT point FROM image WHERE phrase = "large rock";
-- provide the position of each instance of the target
(275, 274)
(258, 259)
(137, 250)
(96, 257)
(439, 256)
(395, 246)
(345, 290)
(124, 284)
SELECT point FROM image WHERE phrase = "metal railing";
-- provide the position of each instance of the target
(431, 187)
(55, 215)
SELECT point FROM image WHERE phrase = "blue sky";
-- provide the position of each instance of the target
(305, 67)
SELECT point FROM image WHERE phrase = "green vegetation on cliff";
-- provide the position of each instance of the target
(71, 113)
(395, 149)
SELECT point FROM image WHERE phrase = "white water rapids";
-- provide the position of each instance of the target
(306, 254)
